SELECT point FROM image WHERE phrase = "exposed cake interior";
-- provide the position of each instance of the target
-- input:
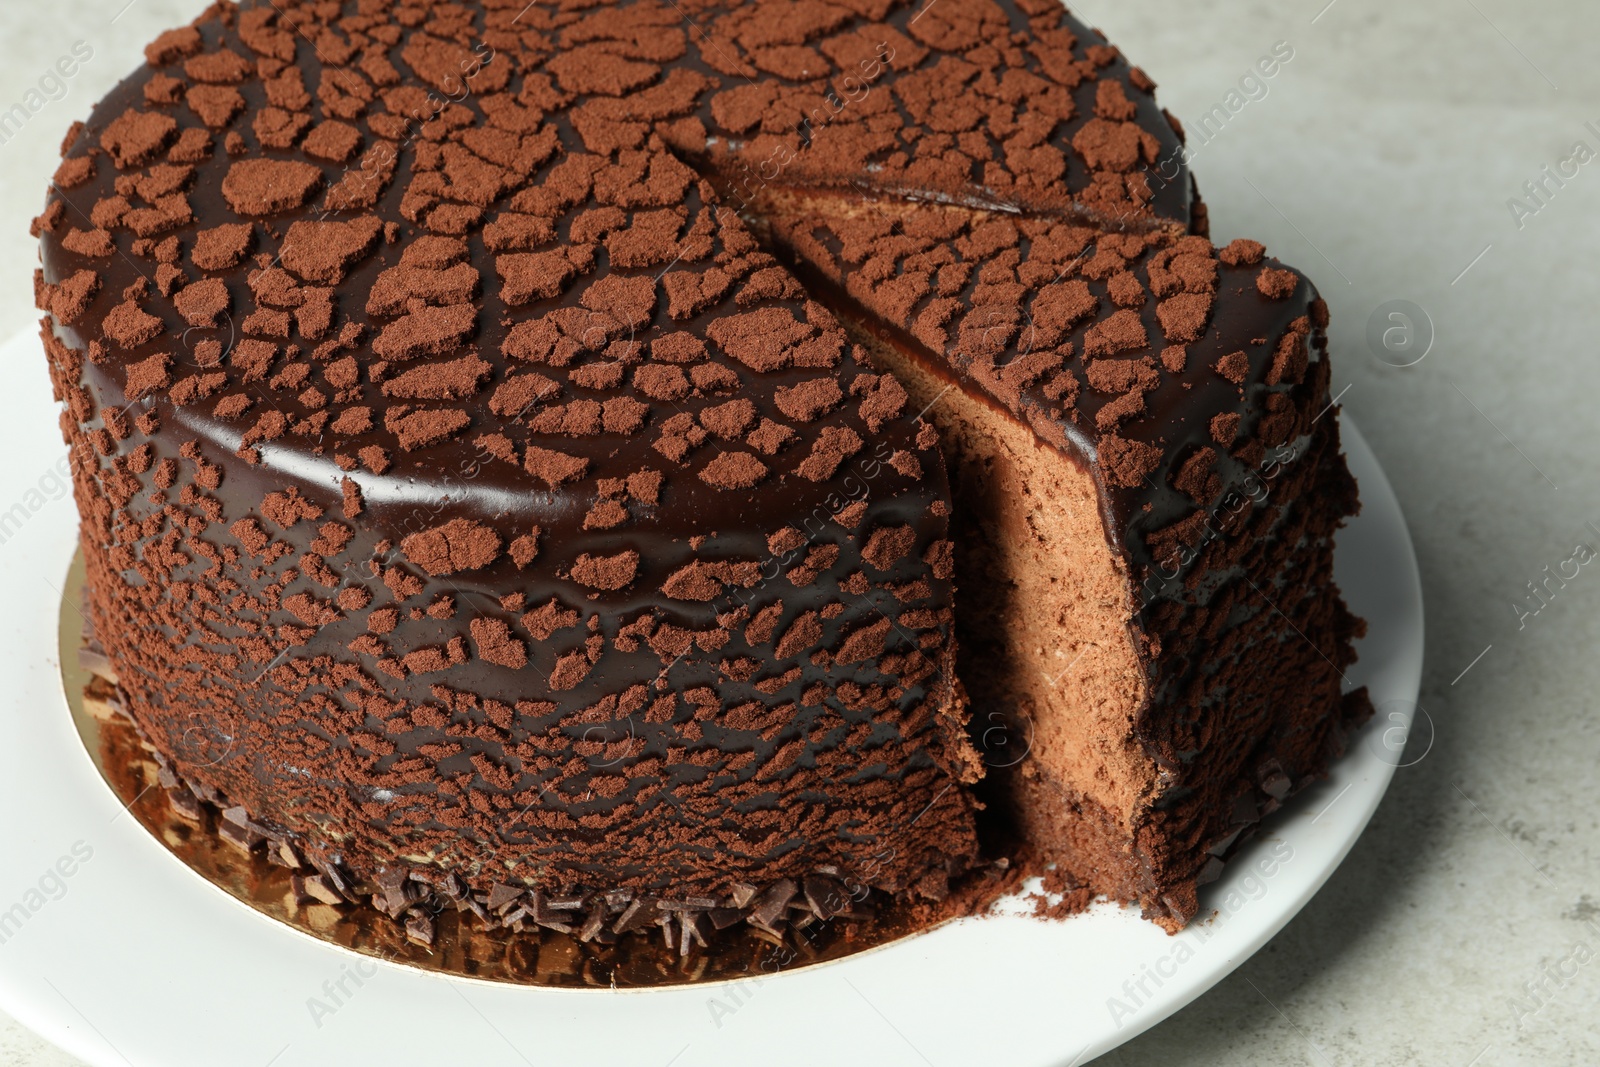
(1043, 608)
(1041, 603)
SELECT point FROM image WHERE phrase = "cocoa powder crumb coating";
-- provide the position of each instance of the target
(644, 578)
(475, 349)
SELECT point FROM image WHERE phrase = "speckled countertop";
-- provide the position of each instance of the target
(1386, 158)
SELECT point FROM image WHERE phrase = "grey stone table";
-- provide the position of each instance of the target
(1391, 158)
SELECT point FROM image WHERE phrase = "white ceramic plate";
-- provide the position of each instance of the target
(132, 959)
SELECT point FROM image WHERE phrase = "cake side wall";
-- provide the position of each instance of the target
(510, 775)
(1252, 706)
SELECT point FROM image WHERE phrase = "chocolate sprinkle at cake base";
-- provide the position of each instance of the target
(713, 462)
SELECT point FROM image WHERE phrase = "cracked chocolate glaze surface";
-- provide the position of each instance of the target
(453, 458)
(516, 519)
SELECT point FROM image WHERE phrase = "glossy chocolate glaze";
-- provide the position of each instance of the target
(791, 761)
(755, 681)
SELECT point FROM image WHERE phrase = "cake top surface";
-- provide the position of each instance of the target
(396, 241)
(1010, 104)
(456, 248)
(1180, 369)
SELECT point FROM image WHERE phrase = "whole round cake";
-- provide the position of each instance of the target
(566, 458)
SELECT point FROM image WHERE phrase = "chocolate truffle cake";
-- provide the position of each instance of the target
(566, 458)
